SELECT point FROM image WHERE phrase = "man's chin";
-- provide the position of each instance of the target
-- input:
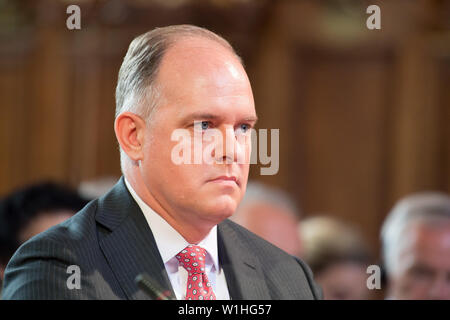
(223, 208)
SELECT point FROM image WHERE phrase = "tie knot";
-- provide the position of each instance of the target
(192, 258)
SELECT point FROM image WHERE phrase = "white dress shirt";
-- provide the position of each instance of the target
(170, 243)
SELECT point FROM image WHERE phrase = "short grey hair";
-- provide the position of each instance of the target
(428, 208)
(137, 90)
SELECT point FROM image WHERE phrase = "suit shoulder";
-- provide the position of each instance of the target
(40, 264)
(71, 231)
(255, 242)
(278, 266)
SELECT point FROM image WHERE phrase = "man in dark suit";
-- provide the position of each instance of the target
(167, 217)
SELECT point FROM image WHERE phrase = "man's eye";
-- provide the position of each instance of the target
(243, 128)
(201, 125)
(205, 125)
(421, 272)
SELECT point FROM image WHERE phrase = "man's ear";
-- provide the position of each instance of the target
(130, 129)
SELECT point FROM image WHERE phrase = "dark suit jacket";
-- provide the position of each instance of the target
(112, 243)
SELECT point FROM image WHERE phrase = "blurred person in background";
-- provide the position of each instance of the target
(416, 247)
(338, 257)
(32, 210)
(271, 214)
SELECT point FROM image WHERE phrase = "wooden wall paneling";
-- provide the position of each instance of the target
(112, 56)
(13, 125)
(445, 124)
(5, 129)
(416, 135)
(340, 113)
(86, 102)
(16, 101)
(440, 53)
(48, 114)
(270, 78)
(445, 120)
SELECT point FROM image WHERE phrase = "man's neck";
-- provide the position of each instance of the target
(192, 231)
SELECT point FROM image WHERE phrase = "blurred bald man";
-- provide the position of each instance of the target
(271, 214)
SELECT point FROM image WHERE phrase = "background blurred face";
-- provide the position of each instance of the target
(424, 264)
(200, 82)
(274, 224)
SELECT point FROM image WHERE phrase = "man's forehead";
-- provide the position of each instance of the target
(201, 59)
(184, 46)
(431, 237)
(202, 76)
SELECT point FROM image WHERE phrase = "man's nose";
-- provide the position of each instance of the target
(227, 146)
(225, 150)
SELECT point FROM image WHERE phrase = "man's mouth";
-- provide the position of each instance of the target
(226, 179)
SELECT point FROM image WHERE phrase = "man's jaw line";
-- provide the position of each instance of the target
(193, 231)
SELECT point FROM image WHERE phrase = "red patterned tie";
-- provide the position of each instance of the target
(192, 258)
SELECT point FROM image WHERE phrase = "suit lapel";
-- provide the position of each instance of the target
(130, 249)
(128, 243)
(244, 277)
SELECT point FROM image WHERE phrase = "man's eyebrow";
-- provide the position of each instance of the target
(210, 116)
(253, 119)
(201, 115)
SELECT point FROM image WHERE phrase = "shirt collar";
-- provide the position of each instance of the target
(168, 240)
